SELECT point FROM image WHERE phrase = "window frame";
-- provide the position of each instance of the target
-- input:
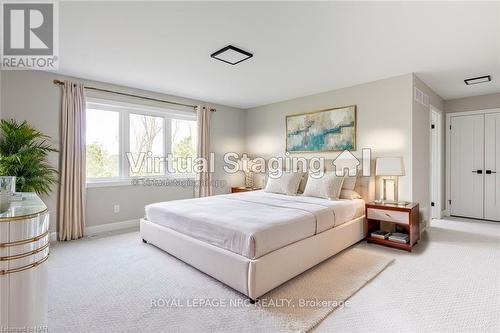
(124, 110)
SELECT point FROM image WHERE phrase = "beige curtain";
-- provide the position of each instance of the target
(204, 179)
(71, 203)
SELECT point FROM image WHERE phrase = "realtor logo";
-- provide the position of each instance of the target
(29, 35)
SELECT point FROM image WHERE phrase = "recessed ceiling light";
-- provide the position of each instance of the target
(231, 55)
(476, 80)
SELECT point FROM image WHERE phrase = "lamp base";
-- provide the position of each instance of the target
(249, 180)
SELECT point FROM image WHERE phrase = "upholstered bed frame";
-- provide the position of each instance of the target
(255, 277)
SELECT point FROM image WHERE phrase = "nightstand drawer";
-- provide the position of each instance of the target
(389, 215)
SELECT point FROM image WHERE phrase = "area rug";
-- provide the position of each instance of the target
(118, 284)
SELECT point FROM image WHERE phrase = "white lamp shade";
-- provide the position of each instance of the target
(389, 166)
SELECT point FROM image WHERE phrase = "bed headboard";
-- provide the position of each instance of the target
(365, 186)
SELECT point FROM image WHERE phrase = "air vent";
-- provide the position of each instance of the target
(477, 80)
(421, 97)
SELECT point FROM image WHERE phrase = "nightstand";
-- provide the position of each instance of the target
(404, 217)
(236, 189)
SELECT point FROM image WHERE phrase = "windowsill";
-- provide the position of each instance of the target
(133, 181)
(108, 183)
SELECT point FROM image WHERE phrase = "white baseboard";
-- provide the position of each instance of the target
(103, 228)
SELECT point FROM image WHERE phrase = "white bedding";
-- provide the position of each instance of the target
(255, 223)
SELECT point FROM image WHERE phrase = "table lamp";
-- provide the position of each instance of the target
(246, 167)
(390, 168)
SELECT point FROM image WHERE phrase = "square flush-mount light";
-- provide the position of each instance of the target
(231, 55)
(476, 80)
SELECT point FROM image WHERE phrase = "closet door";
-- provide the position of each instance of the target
(492, 166)
(467, 162)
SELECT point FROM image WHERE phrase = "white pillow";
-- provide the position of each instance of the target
(349, 183)
(287, 184)
(328, 186)
(349, 194)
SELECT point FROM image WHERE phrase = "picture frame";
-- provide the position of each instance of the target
(326, 130)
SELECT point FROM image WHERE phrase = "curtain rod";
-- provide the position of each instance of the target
(59, 82)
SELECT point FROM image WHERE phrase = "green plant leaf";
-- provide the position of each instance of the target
(23, 153)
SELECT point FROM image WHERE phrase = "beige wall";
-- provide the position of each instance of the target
(388, 120)
(384, 122)
(482, 102)
(421, 148)
(31, 96)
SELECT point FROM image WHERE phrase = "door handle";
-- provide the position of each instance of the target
(489, 172)
(479, 172)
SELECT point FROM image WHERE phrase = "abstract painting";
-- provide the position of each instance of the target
(325, 130)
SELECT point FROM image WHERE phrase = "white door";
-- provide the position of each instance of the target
(492, 167)
(466, 166)
(435, 164)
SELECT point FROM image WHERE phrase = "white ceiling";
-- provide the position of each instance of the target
(299, 48)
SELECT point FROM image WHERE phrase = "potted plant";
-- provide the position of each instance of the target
(23, 154)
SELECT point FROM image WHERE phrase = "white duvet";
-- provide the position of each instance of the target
(255, 223)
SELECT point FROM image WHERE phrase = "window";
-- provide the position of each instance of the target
(103, 148)
(183, 144)
(146, 137)
(128, 140)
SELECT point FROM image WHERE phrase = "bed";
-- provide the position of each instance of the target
(254, 241)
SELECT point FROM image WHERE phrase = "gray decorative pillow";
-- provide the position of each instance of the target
(327, 187)
(349, 183)
(303, 182)
(287, 184)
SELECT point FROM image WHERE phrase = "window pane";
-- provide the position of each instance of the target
(102, 143)
(146, 145)
(183, 144)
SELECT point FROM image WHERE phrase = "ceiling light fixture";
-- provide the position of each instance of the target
(476, 80)
(231, 55)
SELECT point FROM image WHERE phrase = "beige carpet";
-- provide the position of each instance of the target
(118, 284)
(449, 283)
